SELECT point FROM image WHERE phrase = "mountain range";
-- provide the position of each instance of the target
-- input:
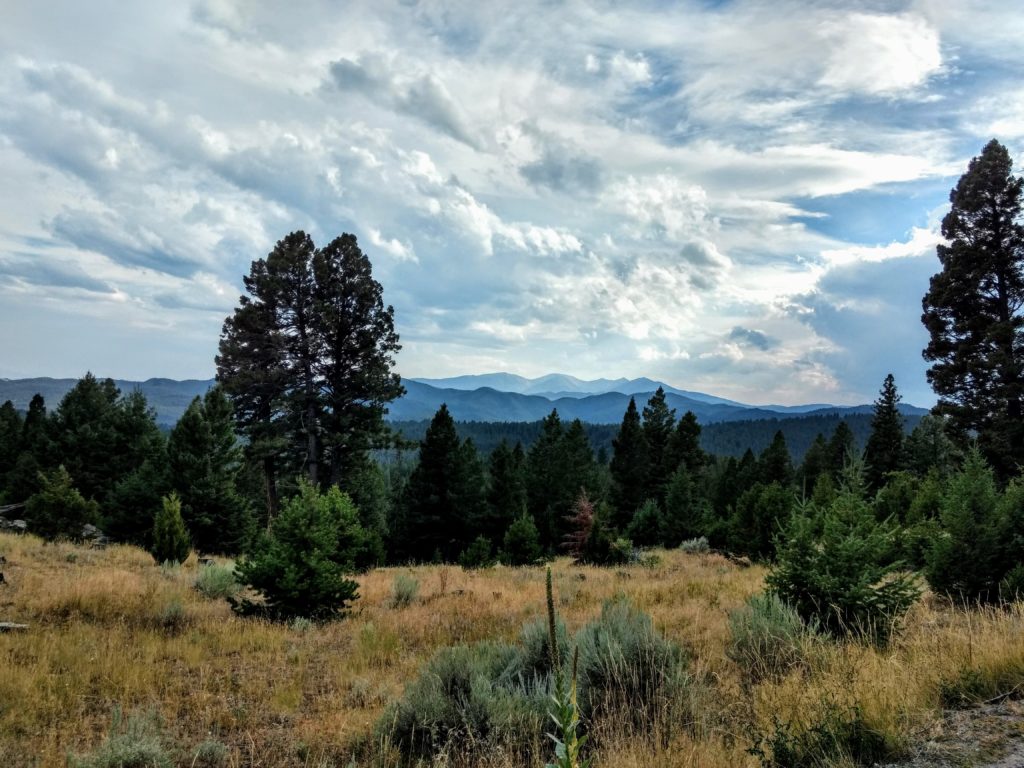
(484, 397)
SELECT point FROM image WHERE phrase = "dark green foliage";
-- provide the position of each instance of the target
(204, 459)
(964, 559)
(58, 509)
(760, 514)
(628, 467)
(775, 464)
(884, 450)
(658, 423)
(929, 449)
(685, 514)
(443, 499)
(816, 463)
(302, 566)
(11, 425)
(521, 545)
(896, 498)
(129, 508)
(1010, 538)
(170, 537)
(646, 526)
(684, 446)
(842, 448)
(836, 567)
(506, 488)
(477, 554)
(367, 486)
(306, 359)
(972, 310)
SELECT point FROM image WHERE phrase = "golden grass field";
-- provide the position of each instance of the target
(278, 695)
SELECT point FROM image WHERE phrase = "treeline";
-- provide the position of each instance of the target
(730, 438)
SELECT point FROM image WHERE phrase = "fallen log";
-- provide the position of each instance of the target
(7, 626)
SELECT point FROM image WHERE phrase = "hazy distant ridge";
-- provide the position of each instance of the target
(602, 401)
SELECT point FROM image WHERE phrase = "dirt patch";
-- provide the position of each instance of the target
(987, 736)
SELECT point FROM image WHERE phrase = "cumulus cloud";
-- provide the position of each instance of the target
(618, 190)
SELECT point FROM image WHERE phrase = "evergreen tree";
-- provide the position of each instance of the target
(506, 490)
(303, 566)
(628, 468)
(580, 523)
(545, 481)
(884, 450)
(836, 567)
(128, 509)
(367, 486)
(521, 545)
(35, 452)
(964, 559)
(306, 359)
(443, 499)
(58, 509)
(85, 433)
(684, 514)
(658, 423)
(170, 537)
(11, 425)
(842, 448)
(760, 513)
(928, 448)
(684, 445)
(815, 464)
(205, 459)
(646, 526)
(973, 310)
(775, 463)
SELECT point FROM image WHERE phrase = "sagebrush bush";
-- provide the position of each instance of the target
(494, 696)
(698, 546)
(210, 754)
(404, 590)
(217, 581)
(133, 743)
(768, 638)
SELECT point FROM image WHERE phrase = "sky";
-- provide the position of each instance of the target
(740, 198)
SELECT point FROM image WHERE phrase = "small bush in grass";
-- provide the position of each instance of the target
(172, 616)
(135, 743)
(477, 554)
(217, 581)
(210, 754)
(494, 697)
(838, 736)
(521, 545)
(170, 538)
(301, 625)
(768, 638)
(695, 546)
(404, 590)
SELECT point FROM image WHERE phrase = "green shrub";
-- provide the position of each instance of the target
(172, 616)
(521, 545)
(836, 567)
(645, 528)
(217, 582)
(404, 590)
(135, 743)
(210, 754)
(170, 539)
(768, 638)
(301, 567)
(58, 509)
(477, 554)
(838, 736)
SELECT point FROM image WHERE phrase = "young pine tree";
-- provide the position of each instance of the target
(58, 509)
(884, 450)
(302, 566)
(629, 467)
(170, 538)
(521, 545)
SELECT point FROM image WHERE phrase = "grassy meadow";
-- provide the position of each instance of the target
(110, 632)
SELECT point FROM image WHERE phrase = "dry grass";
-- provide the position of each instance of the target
(111, 630)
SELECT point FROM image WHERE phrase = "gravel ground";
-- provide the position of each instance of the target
(987, 736)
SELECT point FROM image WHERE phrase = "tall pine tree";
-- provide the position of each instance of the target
(658, 421)
(629, 467)
(973, 310)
